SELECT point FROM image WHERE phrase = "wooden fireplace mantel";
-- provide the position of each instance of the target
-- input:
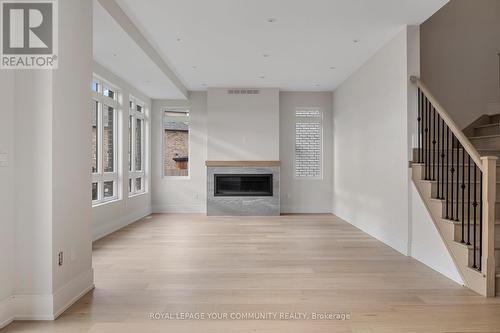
(242, 163)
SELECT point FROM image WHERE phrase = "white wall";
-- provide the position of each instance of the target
(373, 129)
(112, 216)
(370, 183)
(460, 46)
(71, 133)
(33, 182)
(49, 124)
(181, 194)
(243, 127)
(7, 194)
(189, 195)
(305, 195)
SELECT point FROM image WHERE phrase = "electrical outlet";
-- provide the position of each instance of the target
(61, 258)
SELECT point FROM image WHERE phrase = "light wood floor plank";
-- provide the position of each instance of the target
(295, 263)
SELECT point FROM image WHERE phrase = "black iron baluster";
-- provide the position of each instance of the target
(429, 113)
(424, 135)
(419, 126)
(458, 177)
(442, 160)
(474, 204)
(463, 195)
(480, 220)
(437, 154)
(433, 143)
(468, 200)
(447, 169)
(452, 170)
(428, 139)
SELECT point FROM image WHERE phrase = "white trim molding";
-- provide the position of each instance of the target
(72, 291)
(180, 208)
(45, 307)
(6, 311)
(104, 230)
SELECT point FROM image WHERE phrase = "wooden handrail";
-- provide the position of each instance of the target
(464, 141)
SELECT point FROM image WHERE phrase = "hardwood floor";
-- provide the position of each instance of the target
(289, 264)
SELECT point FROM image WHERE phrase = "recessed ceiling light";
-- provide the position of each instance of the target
(355, 40)
(204, 84)
(194, 67)
(262, 77)
(317, 84)
(332, 67)
(114, 54)
(265, 55)
(147, 82)
(271, 20)
(178, 39)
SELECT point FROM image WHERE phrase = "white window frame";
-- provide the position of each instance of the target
(305, 119)
(100, 177)
(188, 118)
(133, 174)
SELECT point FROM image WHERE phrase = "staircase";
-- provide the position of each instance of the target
(455, 173)
(484, 134)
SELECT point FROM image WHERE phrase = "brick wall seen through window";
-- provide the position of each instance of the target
(308, 143)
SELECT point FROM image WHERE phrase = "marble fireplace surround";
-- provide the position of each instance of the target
(243, 205)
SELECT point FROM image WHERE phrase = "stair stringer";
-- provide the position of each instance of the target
(459, 253)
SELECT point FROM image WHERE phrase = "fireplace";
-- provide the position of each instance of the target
(243, 185)
(243, 188)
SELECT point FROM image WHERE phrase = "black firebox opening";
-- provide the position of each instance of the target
(231, 185)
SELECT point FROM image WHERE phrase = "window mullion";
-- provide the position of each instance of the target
(100, 154)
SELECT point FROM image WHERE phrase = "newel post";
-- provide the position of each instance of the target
(489, 198)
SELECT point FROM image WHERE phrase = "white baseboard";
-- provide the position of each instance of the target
(111, 226)
(293, 209)
(45, 307)
(181, 208)
(33, 307)
(6, 313)
(72, 291)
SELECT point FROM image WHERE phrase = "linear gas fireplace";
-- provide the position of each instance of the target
(243, 185)
(243, 188)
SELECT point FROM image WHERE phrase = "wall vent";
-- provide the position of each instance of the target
(243, 92)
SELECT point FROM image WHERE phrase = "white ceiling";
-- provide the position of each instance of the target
(227, 39)
(115, 50)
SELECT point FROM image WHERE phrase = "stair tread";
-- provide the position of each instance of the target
(449, 182)
(484, 136)
(455, 201)
(440, 164)
(490, 150)
(460, 222)
(487, 125)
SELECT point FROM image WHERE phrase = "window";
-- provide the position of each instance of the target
(176, 143)
(136, 147)
(308, 143)
(104, 142)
